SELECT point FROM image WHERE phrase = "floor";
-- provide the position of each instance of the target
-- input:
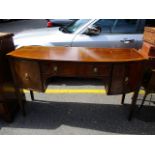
(80, 113)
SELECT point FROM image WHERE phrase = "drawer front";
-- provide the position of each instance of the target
(124, 78)
(27, 74)
(74, 69)
(96, 70)
(57, 69)
(116, 83)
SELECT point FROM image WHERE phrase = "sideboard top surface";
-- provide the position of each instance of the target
(80, 54)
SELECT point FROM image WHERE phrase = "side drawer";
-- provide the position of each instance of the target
(116, 80)
(27, 74)
(124, 78)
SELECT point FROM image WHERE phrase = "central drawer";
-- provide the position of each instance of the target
(73, 69)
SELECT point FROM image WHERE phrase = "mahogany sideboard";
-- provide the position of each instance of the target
(121, 69)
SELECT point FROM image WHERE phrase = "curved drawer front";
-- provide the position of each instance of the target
(27, 74)
(74, 69)
(124, 78)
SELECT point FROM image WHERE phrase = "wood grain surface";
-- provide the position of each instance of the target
(80, 54)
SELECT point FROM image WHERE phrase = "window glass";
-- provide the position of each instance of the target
(125, 26)
(105, 24)
(76, 25)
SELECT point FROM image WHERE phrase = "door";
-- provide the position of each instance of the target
(115, 33)
(27, 74)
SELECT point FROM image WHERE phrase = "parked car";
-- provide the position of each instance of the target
(4, 20)
(59, 22)
(113, 33)
(7, 20)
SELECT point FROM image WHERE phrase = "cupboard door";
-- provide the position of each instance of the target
(124, 78)
(27, 74)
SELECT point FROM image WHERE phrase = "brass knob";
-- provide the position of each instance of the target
(55, 68)
(27, 77)
(126, 79)
(95, 69)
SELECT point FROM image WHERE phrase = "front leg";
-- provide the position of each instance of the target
(123, 98)
(133, 104)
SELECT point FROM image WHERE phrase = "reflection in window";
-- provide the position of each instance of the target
(125, 26)
(76, 25)
(118, 25)
(105, 24)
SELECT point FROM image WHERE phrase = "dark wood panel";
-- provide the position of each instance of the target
(27, 74)
(124, 78)
(74, 69)
(115, 85)
(8, 110)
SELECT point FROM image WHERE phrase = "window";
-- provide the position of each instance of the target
(105, 24)
(76, 25)
(118, 25)
(125, 26)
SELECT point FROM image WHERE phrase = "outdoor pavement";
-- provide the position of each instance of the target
(80, 113)
(69, 113)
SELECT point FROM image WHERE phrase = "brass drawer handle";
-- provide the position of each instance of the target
(55, 68)
(27, 77)
(126, 79)
(95, 69)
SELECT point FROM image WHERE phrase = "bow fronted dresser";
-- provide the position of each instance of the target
(121, 69)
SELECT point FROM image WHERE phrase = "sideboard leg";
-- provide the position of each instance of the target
(22, 105)
(143, 100)
(32, 95)
(133, 105)
(123, 98)
(136, 92)
(20, 101)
